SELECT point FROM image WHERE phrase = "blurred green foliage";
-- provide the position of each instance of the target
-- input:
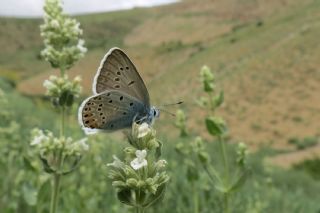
(304, 142)
(25, 188)
(311, 166)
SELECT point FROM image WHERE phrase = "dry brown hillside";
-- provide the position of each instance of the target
(265, 54)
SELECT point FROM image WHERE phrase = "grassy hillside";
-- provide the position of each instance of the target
(265, 54)
(266, 58)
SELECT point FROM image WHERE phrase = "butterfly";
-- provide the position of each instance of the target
(120, 97)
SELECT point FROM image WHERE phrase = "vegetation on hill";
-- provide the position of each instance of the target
(265, 55)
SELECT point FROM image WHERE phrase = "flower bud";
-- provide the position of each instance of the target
(131, 182)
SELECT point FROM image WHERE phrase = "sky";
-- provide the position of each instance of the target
(33, 8)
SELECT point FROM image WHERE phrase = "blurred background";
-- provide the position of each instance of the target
(265, 55)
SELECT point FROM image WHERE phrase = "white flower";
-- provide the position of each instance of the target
(55, 24)
(140, 160)
(143, 130)
(77, 79)
(116, 162)
(161, 164)
(38, 139)
(49, 85)
(82, 143)
(81, 47)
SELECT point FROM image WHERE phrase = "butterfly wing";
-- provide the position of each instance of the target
(117, 72)
(110, 110)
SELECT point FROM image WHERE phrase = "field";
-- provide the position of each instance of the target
(265, 55)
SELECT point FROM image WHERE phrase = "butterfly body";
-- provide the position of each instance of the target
(120, 97)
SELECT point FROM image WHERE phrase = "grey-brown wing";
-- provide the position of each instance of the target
(110, 110)
(117, 72)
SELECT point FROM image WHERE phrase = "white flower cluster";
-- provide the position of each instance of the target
(141, 172)
(57, 85)
(61, 34)
(48, 144)
(140, 160)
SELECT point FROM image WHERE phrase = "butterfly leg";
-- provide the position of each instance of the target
(140, 120)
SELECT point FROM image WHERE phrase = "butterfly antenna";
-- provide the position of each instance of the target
(165, 105)
(170, 113)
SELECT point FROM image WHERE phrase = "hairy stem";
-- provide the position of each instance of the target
(226, 177)
(57, 175)
(55, 193)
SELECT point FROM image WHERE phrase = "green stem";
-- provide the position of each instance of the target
(140, 209)
(226, 168)
(57, 175)
(195, 200)
(55, 193)
(62, 121)
(226, 203)
(225, 158)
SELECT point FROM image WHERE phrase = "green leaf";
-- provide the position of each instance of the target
(46, 166)
(192, 172)
(63, 98)
(158, 150)
(70, 99)
(218, 99)
(30, 194)
(125, 197)
(44, 191)
(28, 165)
(73, 166)
(216, 126)
(240, 181)
(157, 197)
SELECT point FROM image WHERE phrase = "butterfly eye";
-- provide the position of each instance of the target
(110, 101)
(131, 104)
(121, 68)
(121, 98)
(118, 73)
(127, 68)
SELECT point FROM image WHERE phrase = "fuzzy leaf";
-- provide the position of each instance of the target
(125, 197)
(70, 99)
(158, 150)
(240, 181)
(192, 172)
(216, 126)
(157, 197)
(218, 99)
(28, 165)
(30, 194)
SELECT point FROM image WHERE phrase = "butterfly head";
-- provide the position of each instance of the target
(153, 113)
